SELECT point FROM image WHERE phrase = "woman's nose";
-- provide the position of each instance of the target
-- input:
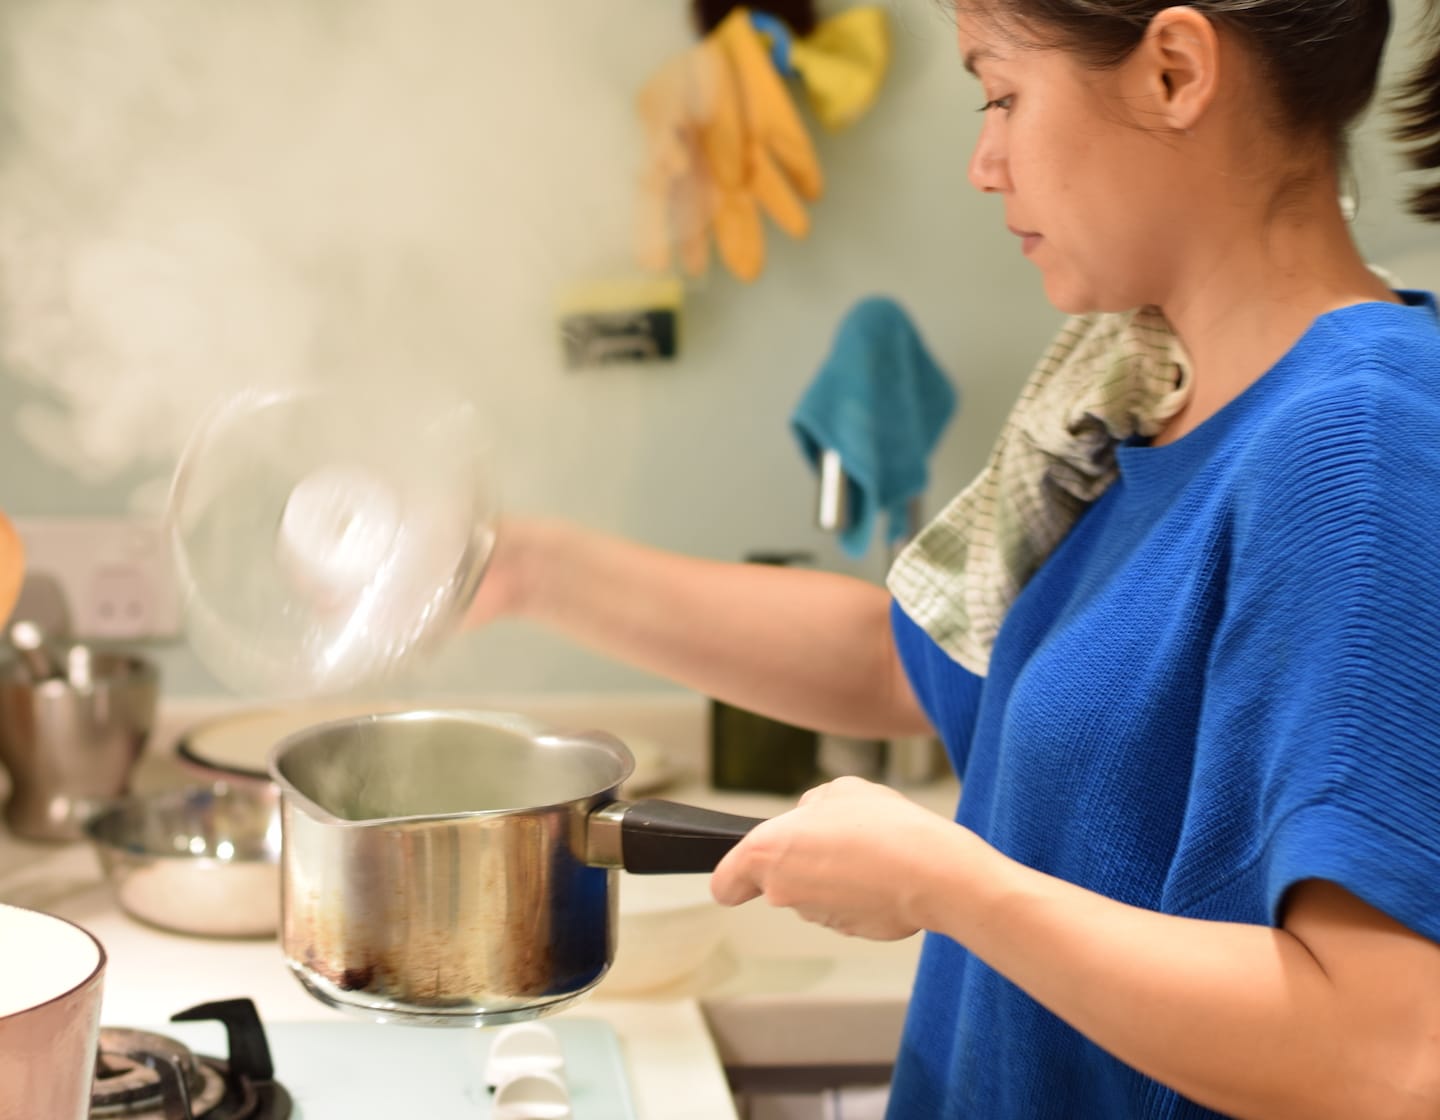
(987, 163)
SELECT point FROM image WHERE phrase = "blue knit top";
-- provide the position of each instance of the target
(1225, 680)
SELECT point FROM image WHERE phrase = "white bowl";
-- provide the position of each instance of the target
(202, 859)
(669, 928)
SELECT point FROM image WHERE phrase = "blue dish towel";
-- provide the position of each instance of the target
(880, 401)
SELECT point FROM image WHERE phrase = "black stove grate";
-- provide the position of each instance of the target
(182, 1086)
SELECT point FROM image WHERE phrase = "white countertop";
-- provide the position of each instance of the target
(150, 974)
(778, 992)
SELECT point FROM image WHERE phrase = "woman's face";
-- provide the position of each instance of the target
(1088, 189)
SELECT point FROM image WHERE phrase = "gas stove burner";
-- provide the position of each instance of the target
(136, 1068)
(144, 1076)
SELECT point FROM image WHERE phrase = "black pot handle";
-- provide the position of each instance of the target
(655, 837)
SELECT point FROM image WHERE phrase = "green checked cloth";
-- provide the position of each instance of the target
(1104, 378)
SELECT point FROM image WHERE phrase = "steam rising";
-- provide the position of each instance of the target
(202, 195)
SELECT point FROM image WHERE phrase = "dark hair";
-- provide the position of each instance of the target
(1322, 59)
(1418, 107)
(798, 15)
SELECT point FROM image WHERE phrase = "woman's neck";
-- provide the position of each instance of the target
(1256, 289)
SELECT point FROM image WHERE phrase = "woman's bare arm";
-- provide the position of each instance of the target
(811, 648)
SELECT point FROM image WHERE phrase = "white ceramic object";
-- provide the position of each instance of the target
(669, 928)
(523, 1048)
(533, 1095)
(51, 981)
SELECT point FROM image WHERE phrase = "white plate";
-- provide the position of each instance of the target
(239, 745)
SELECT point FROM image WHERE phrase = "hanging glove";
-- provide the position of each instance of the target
(841, 64)
(696, 178)
(674, 201)
(783, 165)
(724, 142)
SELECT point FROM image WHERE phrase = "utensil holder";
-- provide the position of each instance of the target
(70, 746)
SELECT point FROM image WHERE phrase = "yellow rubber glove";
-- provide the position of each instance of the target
(724, 141)
(842, 64)
(726, 144)
(696, 178)
(771, 119)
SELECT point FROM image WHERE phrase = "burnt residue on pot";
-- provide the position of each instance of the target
(356, 979)
(494, 940)
(346, 979)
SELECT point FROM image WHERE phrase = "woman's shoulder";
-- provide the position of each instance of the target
(1366, 371)
(1358, 412)
(1380, 346)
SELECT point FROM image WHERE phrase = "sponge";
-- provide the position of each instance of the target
(620, 320)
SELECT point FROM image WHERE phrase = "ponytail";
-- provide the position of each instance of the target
(1418, 109)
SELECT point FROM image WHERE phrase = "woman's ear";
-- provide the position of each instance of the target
(1180, 57)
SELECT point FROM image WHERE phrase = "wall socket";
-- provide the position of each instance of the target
(116, 573)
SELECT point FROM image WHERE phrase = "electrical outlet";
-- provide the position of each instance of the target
(115, 573)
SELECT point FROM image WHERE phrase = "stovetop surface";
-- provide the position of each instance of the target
(357, 1071)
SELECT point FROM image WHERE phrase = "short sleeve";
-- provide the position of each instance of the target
(1324, 689)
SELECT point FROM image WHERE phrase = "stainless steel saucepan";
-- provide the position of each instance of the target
(458, 867)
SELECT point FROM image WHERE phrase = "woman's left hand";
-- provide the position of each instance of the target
(850, 856)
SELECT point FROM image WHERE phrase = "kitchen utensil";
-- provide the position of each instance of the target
(831, 512)
(202, 860)
(324, 540)
(32, 648)
(71, 744)
(51, 980)
(457, 867)
(42, 600)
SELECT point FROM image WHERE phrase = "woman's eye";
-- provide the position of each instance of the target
(997, 103)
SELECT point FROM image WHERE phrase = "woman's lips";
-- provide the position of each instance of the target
(1028, 240)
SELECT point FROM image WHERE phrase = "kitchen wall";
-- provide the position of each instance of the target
(398, 190)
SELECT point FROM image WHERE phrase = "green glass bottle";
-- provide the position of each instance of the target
(751, 752)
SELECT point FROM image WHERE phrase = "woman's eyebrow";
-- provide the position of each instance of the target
(975, 57)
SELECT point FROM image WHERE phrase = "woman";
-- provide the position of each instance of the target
(1196, 865)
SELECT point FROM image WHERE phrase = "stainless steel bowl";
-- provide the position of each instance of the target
(201, 860)
(70, 742)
